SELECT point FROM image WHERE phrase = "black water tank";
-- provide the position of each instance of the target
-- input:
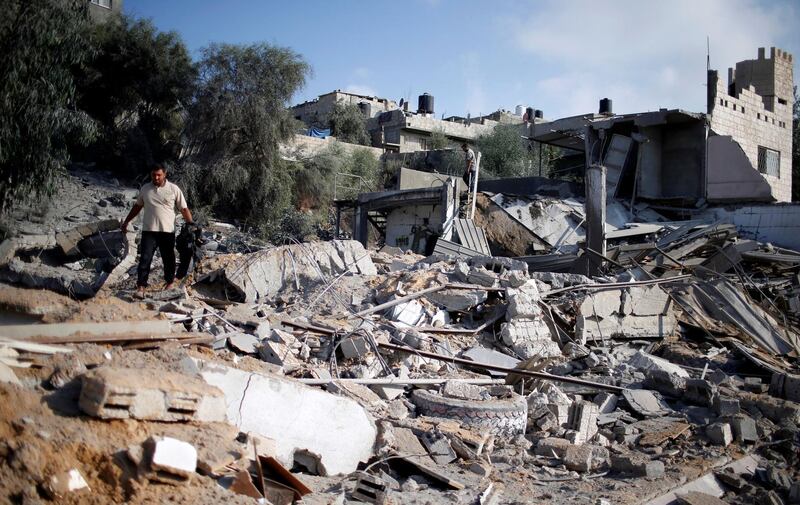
(538, 114)
(425, 104)
(530, 113)
(606, 106)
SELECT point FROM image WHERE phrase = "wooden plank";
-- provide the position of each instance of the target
(64, 331)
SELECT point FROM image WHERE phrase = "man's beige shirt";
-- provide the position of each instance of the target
(160, 205)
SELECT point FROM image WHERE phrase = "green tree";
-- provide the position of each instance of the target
(238, 119)
(348, 124)
(135, 86)
(438, 140)
(505, 153)
(39, 43)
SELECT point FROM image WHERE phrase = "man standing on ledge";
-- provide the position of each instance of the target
(159, 199)
(469, 166)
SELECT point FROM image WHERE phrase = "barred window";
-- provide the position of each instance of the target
(769, 161)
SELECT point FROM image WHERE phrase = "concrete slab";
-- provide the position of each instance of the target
(299, 417)
(172, 461)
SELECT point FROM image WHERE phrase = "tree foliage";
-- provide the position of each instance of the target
(504, 153)
(438, 140)
(135, 86)
(237, 120)
(348, 124)
(39, 43)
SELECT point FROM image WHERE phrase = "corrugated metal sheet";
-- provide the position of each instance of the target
(447, 248)
(471, 236)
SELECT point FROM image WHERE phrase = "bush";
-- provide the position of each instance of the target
(348, 124)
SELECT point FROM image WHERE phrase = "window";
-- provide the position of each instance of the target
(742, 109)
(769, 161)
(102, 3)
(759, 115)
(781, 101)
(721, 102)
(423, 144)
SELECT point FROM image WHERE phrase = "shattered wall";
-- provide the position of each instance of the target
(756, 114)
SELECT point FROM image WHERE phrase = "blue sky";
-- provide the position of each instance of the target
(478, 56)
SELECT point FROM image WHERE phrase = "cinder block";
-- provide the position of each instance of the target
(122, 393)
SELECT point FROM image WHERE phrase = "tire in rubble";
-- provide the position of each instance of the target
(499, 417)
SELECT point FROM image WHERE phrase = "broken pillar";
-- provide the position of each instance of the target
(595, 216)
(122, 393)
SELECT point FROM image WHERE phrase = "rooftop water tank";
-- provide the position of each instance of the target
(425, 104)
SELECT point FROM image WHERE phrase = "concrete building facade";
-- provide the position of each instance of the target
(101, 11)
(754, 108)
(315, 113)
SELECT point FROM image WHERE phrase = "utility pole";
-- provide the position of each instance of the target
(595, 206)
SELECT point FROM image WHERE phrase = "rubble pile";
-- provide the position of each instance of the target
(329, 373)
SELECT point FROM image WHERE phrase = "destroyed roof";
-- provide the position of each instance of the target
(568, 132)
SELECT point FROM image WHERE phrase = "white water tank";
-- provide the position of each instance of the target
(519, 110)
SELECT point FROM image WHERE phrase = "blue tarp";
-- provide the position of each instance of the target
(319, 133)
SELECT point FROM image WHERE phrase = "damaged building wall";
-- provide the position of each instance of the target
(755, 109)
(730, 175)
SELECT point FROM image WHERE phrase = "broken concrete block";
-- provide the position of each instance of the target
(665, 382)
(645, 301)
(462, 390)
(492, 357)
(700, 392)
(561, 412)
(172, 461)
(524, 302)
(62, 484)
(585, 458)
(279, 354)
(392, 391)
(370, 489)
(784, 385)
(122, 393)
(265, 274)
(606, 402)
(457, 299)
(68, 240)
(644, 361)
(726, 406)
(720, 433)
(529, 338)
(552, 447)
(354, 346)
(637, 465)
(744, 429)
(438, 447)
(583, 419)
(242, 342)
(482, 277)
(263, 330)
(578, 458)
(299, 417)
(645, 403)
(513, 279)
(410, 313)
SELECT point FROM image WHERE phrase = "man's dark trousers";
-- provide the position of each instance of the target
(165, 241)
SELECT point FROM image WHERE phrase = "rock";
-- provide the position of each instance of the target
(172, 461)
(726, 406)
(263, 330)
(700, 392)
(585, 458)
(645, 403)
(482, 277)
(8, 375)
(720, 433)
(122, 393)
(779, 479)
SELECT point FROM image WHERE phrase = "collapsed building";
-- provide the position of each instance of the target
(467, 358)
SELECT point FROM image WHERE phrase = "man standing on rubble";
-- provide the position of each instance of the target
(159, 199)
(469, 166)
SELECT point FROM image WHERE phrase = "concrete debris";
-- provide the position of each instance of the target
(450, 377)
(128, 393)
(170, 461)
(300, 418)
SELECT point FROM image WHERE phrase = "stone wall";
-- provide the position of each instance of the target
(748, 120)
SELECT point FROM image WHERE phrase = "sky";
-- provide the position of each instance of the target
(475, 57)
